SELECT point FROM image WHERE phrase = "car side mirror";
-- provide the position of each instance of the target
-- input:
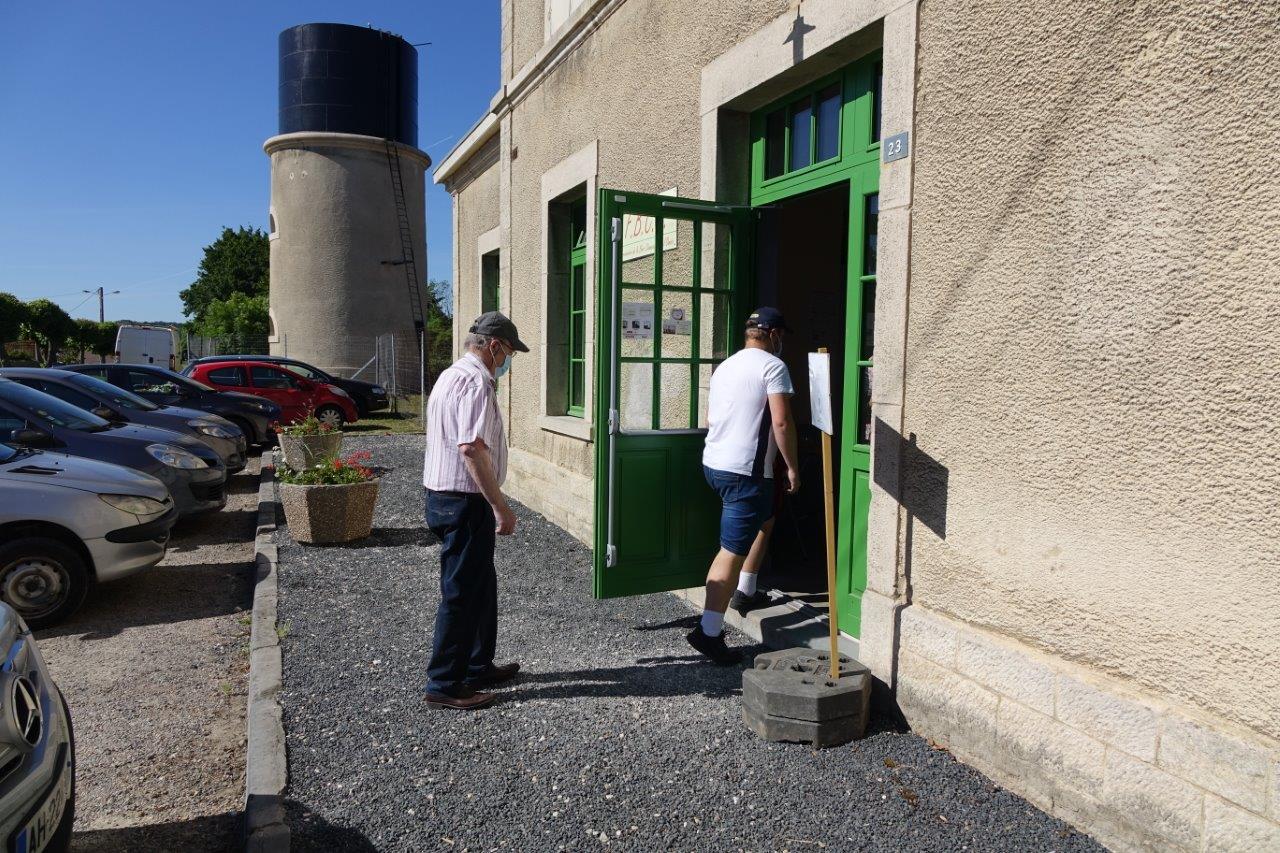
(106, 413)
(31, 437)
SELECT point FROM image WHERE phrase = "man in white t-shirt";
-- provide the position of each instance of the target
(748, 423)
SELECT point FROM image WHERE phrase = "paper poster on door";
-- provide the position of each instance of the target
(637, 321)
(820, 391)
(675, 323)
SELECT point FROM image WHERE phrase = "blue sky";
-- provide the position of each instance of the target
(130, 133)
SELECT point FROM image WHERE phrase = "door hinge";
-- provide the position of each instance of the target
(613, 422)
(610, 556)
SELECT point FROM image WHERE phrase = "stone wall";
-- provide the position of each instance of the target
(1129, 766)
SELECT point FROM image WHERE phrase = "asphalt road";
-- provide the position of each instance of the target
(154, 668)
(616, 735)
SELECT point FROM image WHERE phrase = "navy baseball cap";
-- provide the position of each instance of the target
(768, 319)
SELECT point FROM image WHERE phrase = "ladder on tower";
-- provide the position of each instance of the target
(408, 261)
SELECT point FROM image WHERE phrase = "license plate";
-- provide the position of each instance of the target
(35, 836)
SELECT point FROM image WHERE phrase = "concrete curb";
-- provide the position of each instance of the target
(266, 768)
(786, 624)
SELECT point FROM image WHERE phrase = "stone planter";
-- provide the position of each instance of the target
(324, 515)
(304, 451)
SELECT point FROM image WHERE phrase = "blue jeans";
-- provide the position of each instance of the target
(466, 634)
(746, 504)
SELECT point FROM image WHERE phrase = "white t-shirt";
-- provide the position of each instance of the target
(739, 426)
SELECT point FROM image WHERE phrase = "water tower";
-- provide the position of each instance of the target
(347, 218)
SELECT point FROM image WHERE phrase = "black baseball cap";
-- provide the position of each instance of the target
(768, 319)
(495, 324)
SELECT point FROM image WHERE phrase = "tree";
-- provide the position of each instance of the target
(49, 326)
(104, 342)
(439, 322)
(84, 334)
(237, 262)
(13, 316)
(240, 317)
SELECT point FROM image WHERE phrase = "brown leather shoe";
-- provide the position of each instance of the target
(468, 700)
(497, 674)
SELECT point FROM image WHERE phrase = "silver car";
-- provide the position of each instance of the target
(67, 522)
(37, 748)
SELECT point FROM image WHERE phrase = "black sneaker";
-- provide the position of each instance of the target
(744, 604)
(713, 647)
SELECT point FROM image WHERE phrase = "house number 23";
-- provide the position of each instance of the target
(895, 147)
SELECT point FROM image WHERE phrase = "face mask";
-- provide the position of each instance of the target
(501, 370)
(777, 347)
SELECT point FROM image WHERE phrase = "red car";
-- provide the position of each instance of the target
(294, 394)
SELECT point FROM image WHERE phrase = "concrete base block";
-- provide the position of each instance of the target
(790, 696)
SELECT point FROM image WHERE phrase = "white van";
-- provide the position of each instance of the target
(156, 345)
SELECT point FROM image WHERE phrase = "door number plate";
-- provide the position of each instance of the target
(896, 147)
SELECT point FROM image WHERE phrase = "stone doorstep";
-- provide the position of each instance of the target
(787, 623)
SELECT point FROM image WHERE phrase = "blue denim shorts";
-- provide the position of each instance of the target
(747, 503)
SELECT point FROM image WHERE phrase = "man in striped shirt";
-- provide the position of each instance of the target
(462, 475)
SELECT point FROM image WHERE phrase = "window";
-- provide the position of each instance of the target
(490, 289)
(270, 377)
(804, 132)
(149, 383)
(63, 393)
(9, 424)
(575, 384)
(227, 376)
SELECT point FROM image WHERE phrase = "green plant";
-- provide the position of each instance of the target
(331, 472)
(309, 425)
(282, 630)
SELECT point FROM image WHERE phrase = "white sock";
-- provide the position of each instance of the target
(747, 583)
(712, 623)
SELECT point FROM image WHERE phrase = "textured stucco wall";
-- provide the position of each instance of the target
(633, 85)
(528, 28)
(1092, 348)
(476, 209)
(331, 295)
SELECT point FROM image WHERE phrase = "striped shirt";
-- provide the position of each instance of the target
(462, 408)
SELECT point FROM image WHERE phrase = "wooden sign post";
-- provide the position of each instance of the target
(820, 404)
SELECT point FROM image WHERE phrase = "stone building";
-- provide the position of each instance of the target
(1040, 242)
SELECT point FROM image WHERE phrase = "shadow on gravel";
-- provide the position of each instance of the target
(162, 595)
(667, 676)
(242, 484)
(212, 832)
(683, 622)
(387, 537)
(217, 528)
(309, 831)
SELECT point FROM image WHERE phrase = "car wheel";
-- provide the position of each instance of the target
(43, 579)
(245, 427)
(331, 415)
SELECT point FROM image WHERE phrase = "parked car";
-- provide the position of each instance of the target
(368, 396)
(193, 474)
(37, 746)
(294, 394)
(67, 523)
(252, 414)
(120, 406)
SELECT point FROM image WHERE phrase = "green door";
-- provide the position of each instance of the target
(670, 273)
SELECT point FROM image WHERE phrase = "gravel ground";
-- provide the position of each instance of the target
(154, 668)
(615, 735)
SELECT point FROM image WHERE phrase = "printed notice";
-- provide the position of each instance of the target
(820, 391)
(637, 320)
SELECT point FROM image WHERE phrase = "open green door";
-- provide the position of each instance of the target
(670, 290)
